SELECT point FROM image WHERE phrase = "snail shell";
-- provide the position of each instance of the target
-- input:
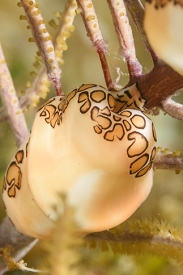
(93, 145)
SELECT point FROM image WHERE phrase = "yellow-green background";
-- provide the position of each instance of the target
(82, 66)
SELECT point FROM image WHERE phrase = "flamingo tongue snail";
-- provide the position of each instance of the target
(95, 146)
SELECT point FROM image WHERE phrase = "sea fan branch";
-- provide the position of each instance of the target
(137, 237)
(92, 26)
(40, 86)
(43, 41)
(11, 237)
(64, 29)
(11, 103)
(173, 108)
(136, 11)
(165, 159)
(125, 36)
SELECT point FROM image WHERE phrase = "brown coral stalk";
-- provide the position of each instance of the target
(159, 84)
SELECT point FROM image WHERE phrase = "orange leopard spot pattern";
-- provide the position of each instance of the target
(13, 179)
(19, 156)
(138, 146)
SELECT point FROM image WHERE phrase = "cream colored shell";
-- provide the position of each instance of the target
(163, 25)
(94, 146)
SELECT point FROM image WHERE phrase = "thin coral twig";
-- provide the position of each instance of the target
(168, 160)
(43, 41)
(135, 237)
(10, 236)
(125, 36)
(136, 10)
(173, 108)
(11, 263)
(40, 86)
(11, 103)
(92, 26)
(64, 29)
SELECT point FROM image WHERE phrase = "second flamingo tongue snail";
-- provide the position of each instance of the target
(95, 146)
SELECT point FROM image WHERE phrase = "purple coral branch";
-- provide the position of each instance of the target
(173, 108)
(43, 41)
(92, 26)
(11, 103)
(170, 161)
(10, 236)
(40, 86)
(125, 36)
(136, 11)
